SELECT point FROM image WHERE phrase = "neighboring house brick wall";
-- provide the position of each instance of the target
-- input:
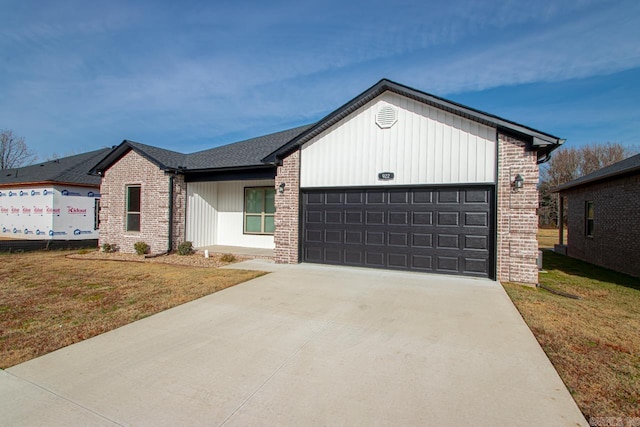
(134, 169)
(616, 231)
(517, 245)
(287, 218)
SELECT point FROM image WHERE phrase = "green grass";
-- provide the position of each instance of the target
(594, 342)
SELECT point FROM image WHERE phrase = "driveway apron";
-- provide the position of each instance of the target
(305, 345)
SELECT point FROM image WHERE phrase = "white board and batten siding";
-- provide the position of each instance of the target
(215, 214)
(424, 146)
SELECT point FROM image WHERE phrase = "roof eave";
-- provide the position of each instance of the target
(613, 175)
(47, 183)
(224, 169)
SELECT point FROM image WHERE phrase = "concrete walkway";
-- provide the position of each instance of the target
(305, 345)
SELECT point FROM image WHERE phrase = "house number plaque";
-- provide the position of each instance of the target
(385, 176)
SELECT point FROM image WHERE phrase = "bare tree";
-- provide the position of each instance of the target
(570, 163)
(14, 151)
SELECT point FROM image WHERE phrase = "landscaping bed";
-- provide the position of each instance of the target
(193, 260)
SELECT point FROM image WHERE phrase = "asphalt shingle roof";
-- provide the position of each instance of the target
(70, 170)
(624, 166)
(244, 153)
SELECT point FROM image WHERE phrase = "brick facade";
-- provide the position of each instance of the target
(517, 246)
(133, 169)
(616, 222)
(287, 218)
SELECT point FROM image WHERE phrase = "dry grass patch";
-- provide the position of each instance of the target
(548, 237)
(48, 301)
(594, 343)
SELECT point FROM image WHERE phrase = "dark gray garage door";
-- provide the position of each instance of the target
(438, 229)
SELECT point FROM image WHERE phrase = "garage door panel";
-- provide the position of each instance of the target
(398, 260)
(375, 197)
(375, 259)
(475, 266)
(449, 264)
(448, 241)
(448, 196)
(449, 218)
(422, 218)
(314, 217)
(476, 242)
(313, 236)
(353, 217)
(422, 240)
(374, 238)
(398, 239)
(333, 217)
(443, 230)
(353, 237)
(422, 262)
(421, 197)
(476, 219)
(476, 196)
(333, 236)
(374, 218)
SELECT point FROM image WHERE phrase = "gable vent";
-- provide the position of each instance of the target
(386, 117)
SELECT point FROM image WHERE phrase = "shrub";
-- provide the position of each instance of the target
(185, 248)
(227, 258)
(141, 248)
(109, 248)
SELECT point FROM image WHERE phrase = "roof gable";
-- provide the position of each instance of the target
(543, 142)
(164, 159)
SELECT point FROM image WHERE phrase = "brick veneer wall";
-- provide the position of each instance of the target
(133, 169)
(517, 245)
(287, 219)
(616, 231)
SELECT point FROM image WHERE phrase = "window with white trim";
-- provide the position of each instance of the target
(259, 210)
(134, 196)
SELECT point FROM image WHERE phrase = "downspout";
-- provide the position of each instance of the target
(170, 235)
(170, 239)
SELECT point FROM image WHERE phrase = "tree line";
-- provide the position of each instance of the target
(569, 163)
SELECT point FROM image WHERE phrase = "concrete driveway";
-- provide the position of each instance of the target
(305, 345)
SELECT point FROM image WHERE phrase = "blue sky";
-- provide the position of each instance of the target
(77, 75)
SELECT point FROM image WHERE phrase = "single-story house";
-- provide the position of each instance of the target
(395, 178)
(52, 200)
(604, 217)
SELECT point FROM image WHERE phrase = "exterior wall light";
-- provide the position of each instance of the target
(518, 182)
(281, 187)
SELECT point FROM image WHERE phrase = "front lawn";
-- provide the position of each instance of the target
(594, 342)
(48, 301)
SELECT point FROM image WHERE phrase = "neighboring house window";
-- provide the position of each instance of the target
(259, 210)
(133, 208)
(589, 214)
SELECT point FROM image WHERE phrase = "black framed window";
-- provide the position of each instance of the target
(589, 211)
(134, 193)
(259, 210)
(96, 214)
